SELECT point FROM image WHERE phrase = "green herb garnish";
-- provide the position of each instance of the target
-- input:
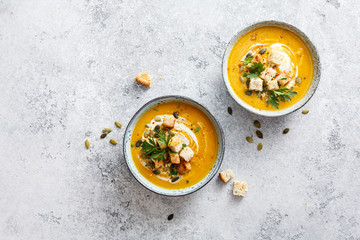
(257, 67)
(153, 151)
(248, 60)
(156, 109)
(173, 172)
(283, 94)
(197, 129)
(183, 145)
(178, 106)
(163, 139)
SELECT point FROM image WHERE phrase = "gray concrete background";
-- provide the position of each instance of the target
(67, 70)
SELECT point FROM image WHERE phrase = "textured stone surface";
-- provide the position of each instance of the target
(67, 70)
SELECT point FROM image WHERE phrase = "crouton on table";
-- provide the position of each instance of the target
(226, 175)
(240, 188)
(144, 79)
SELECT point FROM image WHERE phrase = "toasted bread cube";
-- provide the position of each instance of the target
(144, 79)
(291, 84)
(282, 79)
(175, 144)
(240, 188)
(183, 168)
(226, 175)
(272, 85)
(268, 74)
(187, 166)
(186, 154)
(256, 84)
(169, 121)
(174, 158)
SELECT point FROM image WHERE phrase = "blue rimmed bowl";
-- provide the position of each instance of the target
(313, 52)
(130, 162)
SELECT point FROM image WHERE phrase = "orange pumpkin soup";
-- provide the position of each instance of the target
(174, 145)
(270, 68)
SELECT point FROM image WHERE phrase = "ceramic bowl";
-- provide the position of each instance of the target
(308, 43)
(146, 183)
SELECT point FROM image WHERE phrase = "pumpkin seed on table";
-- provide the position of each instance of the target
(259, 146)
(157, 119)
(257, 124)
(107, 130)
(305, 111)
(118, 124)
(170, 217)
(138, 143)
(259, 134)
(249, 139)
(103, 135)
(229, 110)
(262, 51)
(113, 141)
(286, 130)
(87, 143)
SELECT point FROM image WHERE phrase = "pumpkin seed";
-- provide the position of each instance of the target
(170, 217)
(146, 134)
(176, 115)
(156, 172)
(257, 124)
(157, 119)
(175, 179)
(242, 80)
(87, 143)
(113, 141)
(247, 92)
(259, 95)
(259, 146)
(156, 135)
(138, 143)
(103, 135)
(262, 51)
(286, 130)
(248, 55)
(242, 68)
(157, 128)
(147, 125)
(305, 111)
(152, 134)
(107, 130)
(298, 80)
(172, 133)
(229, 110)
(249, 139)
(118, 124)
(248, 82)
(259, 134)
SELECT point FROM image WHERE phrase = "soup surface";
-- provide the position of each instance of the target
(282, 73)
(174, 145)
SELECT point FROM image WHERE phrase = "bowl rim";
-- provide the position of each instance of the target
(287, 26)
(218, 160)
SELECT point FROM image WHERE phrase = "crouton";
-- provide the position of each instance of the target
(169, 121)
(272, 85)
(268, 74)
(291, 84)
(282, 79)
(174, 158)
(186, 154)
(183, 168)
(144, 79)
(175, 144)
(240, 188)
(259, 58)
(256, 84)
(226, 175)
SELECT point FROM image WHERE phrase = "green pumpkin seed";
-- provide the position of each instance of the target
(257, 124)
(259, 146)
(262, 51)
(147, 125)
(118, 124)
(113, 141)
(249, 139)
(172, 133)
(107, 130)
(242, 80)
(176, 115)
(87, 143)
(286, 130)
(175, 179)
(298, 80)
(305, 111)
(152, 134)
(146, 134)
(138, 143)
(248, 55)
(242, 68)
(156, 172)
(103, 135)
(259, 134)
(156, 135)
(247, 92)
(157, 119)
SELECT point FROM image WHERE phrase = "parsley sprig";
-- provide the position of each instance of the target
(248, 60)
(254, 70)
(153, 151)
(282, 94)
